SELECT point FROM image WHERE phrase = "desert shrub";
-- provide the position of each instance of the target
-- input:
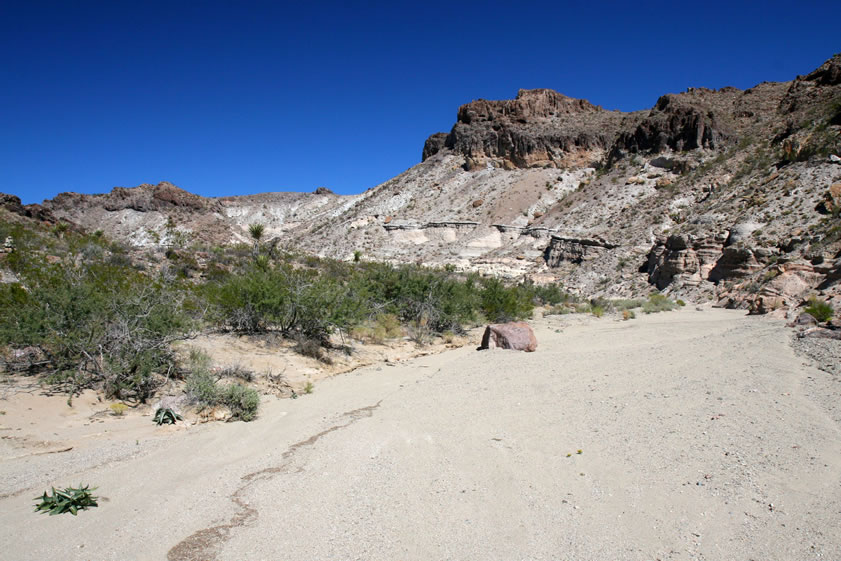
(99, 324)
(551, 295)
(241, 400)
(658, 303)
(821, 311)
(597, 311)
(292, 301)
(311, 348)
(626, 304)
(628, 314)
(202, 388)
(603, 304)
(500, 303)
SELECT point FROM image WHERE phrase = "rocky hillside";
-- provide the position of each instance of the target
(730, 195)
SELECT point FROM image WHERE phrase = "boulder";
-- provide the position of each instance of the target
(517, 336)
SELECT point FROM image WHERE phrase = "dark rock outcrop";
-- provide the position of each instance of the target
(34, 211)
(434, 144)
(574, 250)
(538, 128)
(677, 122)
(143, 198)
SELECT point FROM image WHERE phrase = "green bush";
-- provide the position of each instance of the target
(821, 311)
(99, 324)
(658, 303)
(202, 389)
(242, 401)
(500, 303)
(627, 304)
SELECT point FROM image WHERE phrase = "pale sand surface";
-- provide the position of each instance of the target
(702, 435)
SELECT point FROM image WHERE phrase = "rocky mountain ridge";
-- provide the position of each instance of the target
(726, 194)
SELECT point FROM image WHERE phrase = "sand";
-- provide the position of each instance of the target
(683, 435)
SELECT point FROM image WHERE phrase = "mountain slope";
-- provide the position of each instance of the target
(725, 194)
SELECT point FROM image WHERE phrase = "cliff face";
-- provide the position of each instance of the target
(723, 194)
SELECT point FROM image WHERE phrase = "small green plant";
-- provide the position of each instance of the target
(357, 256)
(71, 499)
(628, 314)
(166, 416)
(118, 409)
(309, 388)
(256, 230)
(821, 311)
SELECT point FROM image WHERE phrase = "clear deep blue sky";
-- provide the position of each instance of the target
(225, 98)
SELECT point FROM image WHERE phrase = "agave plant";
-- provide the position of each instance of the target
(71, 499)
(166, 416)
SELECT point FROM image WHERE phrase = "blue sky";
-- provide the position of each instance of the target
(225, 98)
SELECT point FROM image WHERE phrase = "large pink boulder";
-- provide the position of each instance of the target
(514, 335)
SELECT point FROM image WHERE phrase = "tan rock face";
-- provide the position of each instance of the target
(516, 336)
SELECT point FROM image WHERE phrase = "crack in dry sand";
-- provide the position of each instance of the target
(205, 544)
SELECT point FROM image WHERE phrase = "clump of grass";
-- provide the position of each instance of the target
(309, 388)
(628, 314)
(378, 330)
(237, 371)
(821, 311)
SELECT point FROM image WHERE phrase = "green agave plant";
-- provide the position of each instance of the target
(71, 499)
(167, 417)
